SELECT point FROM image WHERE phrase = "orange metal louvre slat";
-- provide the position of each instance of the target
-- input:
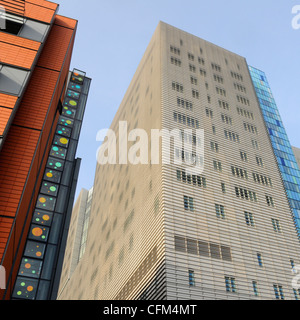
(7, 100)
(4, 117)
(18, 41)
(17, 56)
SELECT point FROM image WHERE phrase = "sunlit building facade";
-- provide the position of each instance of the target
(157, 231)
(39, 129)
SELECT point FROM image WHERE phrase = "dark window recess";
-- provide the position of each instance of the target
(59, 107)
(12, 27)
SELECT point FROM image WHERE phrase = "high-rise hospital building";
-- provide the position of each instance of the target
(158, 231)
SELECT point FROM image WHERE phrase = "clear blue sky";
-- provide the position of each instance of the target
(113, 35)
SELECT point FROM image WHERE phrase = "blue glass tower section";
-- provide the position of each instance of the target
(282, 148)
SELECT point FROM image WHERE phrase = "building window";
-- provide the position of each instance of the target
(230, 284)
(201, 61)
(191, 56)
(276, 225)
(208, 99)
(262, 179)
(217, 165)
(226, 119)
(237, 76)
(250, 128)
(191, 179)
(245, 194)
(240, 87)
(223, 187)
(202, 72)
(259, 161)
(175, 50)
(296, 294)
(192, 278)
(278, 290)
(194, 80)
(292, 263)
(255, 144)
(244, 156)
(184, 104)
(220, 211)
(209, 113)
(216, 67)
(192, 68)
(186, 120)
(245, 113)
(214, 146)
(177, 87)
(218, 79)
(259, 260)
(188, 203)
(213, 129)
(243, 100)
(249, 219)
(238, 172)
(221, 91)
(255, 288)
(195, 93)
(180, 244)
(223, 104)
(232, 136)
(270, 201)
(176, 62)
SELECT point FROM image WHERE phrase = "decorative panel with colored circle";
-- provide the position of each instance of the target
(70, 103)
(77, 78)
(42, 217)
(61, 141)
(64, 131)
(52, 175)
(35, 250)
(39, 233)
(58, 152)
(66, 122)
(49, 188)
(46, 202)
(30, 268)
(25, 288)
(69, 112)
(55, 164)
(73, 94)
(75, 86)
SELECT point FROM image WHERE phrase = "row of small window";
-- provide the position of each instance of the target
(249, 218)
(186, 120)
(244, 157)
(240, 192)
(195, 93)
(202, 248)
(191, 57)
(190, 158)
(242, 112)
(228, 120)
(230, 286)
(196, 180)
(214, 66)
(191, 139)
(240, 172)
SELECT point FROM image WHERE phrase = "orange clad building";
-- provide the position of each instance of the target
(35, 51)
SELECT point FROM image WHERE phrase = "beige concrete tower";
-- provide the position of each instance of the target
(158, 232)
